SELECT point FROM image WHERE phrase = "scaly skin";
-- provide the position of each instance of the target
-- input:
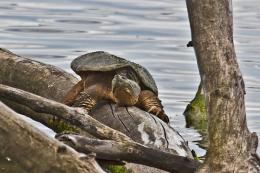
(118, 89)
(73, 93)
(125, 91)
(149, 102)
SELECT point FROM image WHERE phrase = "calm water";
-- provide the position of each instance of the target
(150, 32)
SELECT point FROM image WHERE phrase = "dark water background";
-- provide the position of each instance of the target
(150, 32)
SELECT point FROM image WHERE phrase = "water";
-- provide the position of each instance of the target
(150, 32)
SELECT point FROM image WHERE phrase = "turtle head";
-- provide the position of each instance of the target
(125, 91)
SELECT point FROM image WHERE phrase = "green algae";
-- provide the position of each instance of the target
(60, 126)
(196, 117)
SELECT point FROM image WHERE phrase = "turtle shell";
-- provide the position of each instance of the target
(103, 61)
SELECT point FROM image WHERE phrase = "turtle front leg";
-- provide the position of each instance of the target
(73, 93)
(85, 100)
(151, 103)
(88, 98)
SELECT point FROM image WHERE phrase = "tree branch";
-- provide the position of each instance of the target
(75, 116)
(79, 118)
(130, 152)
(53, 83)
(34, 151)
(42, 79)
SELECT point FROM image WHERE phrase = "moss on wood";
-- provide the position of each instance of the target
(196, 117)
(60, 126)
(117, 169)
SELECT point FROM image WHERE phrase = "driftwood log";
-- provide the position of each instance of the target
(135, 123)
(123, 147)
(42, 79)
(131, 152)
(75, 116)
(232, 147)
(34, 151)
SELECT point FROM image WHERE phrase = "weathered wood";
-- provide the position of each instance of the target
(42, 79)
(130, 152)
(49, 120)
(232, 147)
(137, 124)
(142, 127)
(151, 131)
(75, 116)
(34, 151)
(80, 118)
(162, 137)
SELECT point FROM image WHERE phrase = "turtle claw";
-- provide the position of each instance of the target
(85, 101)
(157, 111)
(165, 118)
(151, 109)
(154, 110)
(87, 110)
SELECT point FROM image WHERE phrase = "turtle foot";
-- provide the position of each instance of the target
(164, 117)
(85, 101)
(159, 113)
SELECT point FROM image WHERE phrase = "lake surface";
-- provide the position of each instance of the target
(150, 32)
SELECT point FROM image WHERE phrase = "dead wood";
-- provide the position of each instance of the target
(78, 117)
(130, 152)
(75, 116)
(53, 83)
(34, 151)
(232, 147)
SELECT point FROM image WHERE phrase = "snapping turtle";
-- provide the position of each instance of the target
(105, 76)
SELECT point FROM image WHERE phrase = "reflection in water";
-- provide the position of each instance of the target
(149, 32)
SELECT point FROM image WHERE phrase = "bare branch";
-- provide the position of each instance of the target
(74, 116)
(130, 152)
(34, 151)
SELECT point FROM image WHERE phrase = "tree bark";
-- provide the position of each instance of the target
(130, 120)
(33, 76)
(232, 147)
(79, 118)
(75, 116)
(130, 152)
(34, 151)
(50, 82)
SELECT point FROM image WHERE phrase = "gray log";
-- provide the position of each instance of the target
(42, 79)
(131, 152)
(152, 131)
(75, 116)
(39, 78)
(78, 117)
(34, 151)
(232, 147)
(142, 127)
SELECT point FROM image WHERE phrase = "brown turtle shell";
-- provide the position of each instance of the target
(103, 61)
